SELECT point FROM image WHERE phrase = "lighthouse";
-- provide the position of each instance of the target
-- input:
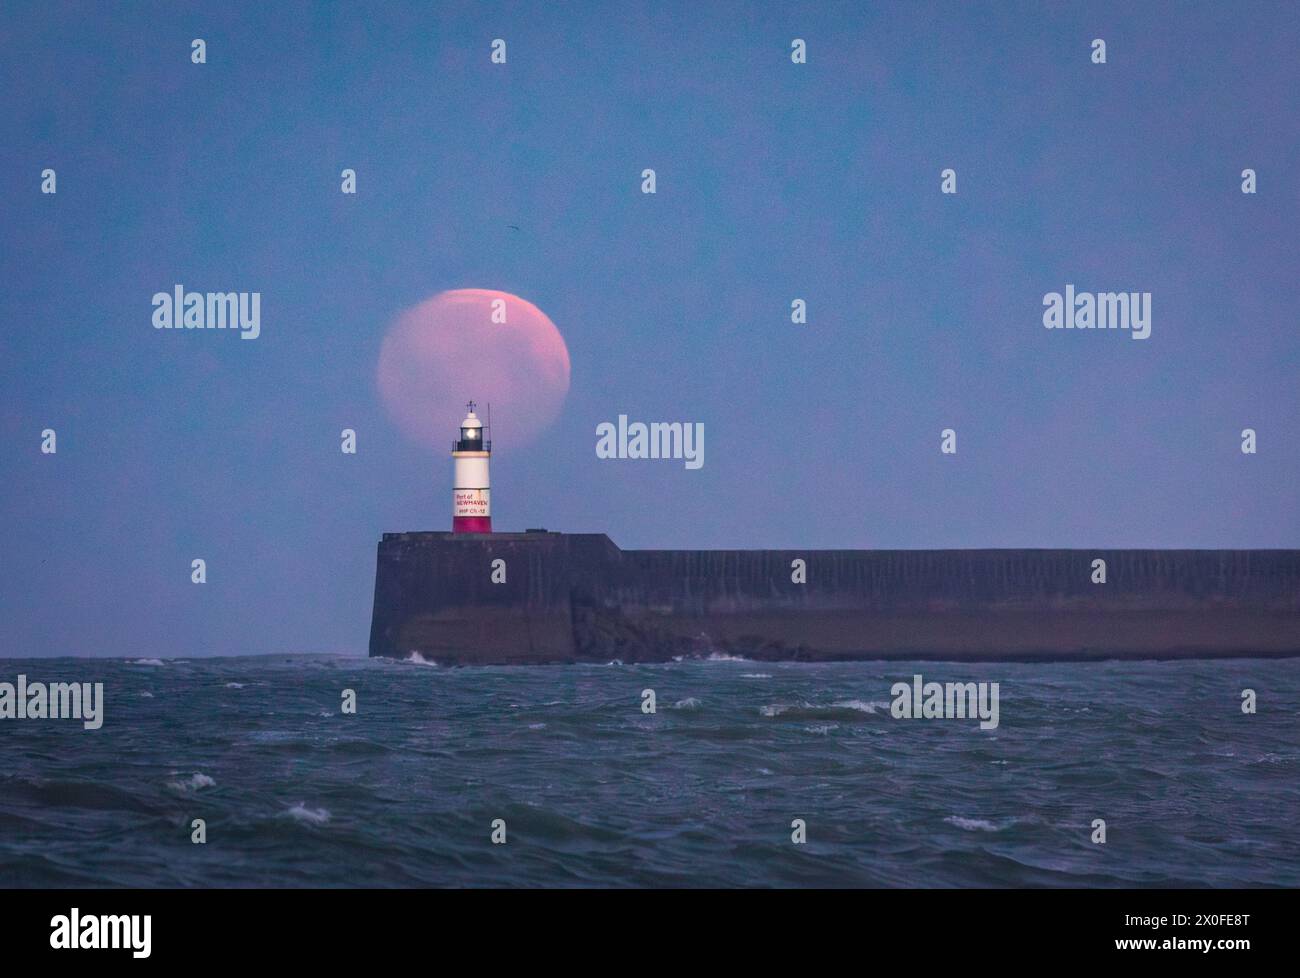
(471, 494)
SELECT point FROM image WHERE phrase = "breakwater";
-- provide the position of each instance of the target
(539, 597)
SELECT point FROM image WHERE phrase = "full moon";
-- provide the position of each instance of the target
(473, 344)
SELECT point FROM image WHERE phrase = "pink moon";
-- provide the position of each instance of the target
(449, 350)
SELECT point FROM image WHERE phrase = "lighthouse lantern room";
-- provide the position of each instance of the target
(471, 492)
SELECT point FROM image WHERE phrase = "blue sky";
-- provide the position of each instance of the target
(775, 181)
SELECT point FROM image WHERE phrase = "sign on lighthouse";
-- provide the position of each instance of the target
(471, 502)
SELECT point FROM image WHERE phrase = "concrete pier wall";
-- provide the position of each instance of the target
(577, 597)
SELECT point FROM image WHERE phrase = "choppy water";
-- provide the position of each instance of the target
(595, 792)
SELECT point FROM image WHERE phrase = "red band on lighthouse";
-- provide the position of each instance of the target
(471, 511)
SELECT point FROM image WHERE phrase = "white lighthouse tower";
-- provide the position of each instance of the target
(471, 493)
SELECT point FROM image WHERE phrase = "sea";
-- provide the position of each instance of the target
(248, 771)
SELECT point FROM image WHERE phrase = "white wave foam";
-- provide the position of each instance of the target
(147, 695)
(193, 783)
(420, 660)
(724, 657)
(860, 706)
(234, 685)
(822, 728)
(311, 816)
(1269, 757)
(971, 824)
(146, 662)
(755, 675)
(690, 703)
